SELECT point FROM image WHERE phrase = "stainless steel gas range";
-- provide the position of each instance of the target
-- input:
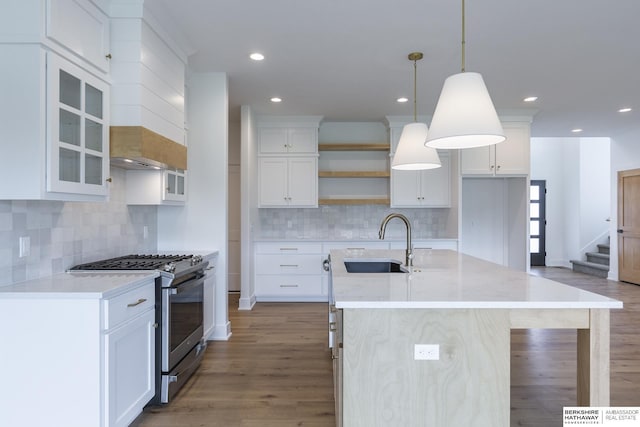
(179, 314)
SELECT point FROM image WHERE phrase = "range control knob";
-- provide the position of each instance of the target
(196, 259)
(170, 267)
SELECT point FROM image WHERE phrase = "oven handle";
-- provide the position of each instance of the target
(187, 285)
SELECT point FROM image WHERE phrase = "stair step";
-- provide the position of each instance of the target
(591, 268)
(598, 258)
(604, 248)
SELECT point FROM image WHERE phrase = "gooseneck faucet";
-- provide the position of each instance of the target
(383, 227)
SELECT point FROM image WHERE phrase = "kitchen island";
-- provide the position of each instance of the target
(432, 346)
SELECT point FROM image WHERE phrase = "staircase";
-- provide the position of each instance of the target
(597, 263)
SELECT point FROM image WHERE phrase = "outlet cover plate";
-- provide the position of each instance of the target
(426, 352)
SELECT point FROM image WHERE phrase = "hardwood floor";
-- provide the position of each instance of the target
(276, 369)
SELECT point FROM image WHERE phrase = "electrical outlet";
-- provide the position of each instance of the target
(25, 246)
(426, 352)
(145, 232)
(289, 224)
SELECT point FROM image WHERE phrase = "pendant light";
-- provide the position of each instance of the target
(465, 116)
(411, 153)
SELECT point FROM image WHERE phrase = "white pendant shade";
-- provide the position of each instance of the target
(411, 153)
(465, 116)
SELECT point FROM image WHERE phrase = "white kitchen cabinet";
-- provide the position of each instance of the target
(86, 359)
(130, 371)
(78, 30)
(288, 181)
(289, 271)
(423, 188)
(157, 187)
(510, 157)
(82, 28)
(288, 140)
(55, 118)
(209, 299)
(78, 134)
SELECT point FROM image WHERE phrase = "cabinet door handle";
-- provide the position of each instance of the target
(288, 249)
(288, 286)
(289, 265)
(140, 301)
(498, 167)
(492, 166)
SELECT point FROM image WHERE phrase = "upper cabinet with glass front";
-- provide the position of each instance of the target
(77, 137)
(54, 62)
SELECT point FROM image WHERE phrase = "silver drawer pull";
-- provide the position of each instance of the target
(140, 301)
(289, 265)
(288, 249)
(288, 286)
(355, 249)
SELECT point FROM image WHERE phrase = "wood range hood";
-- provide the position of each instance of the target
(136, 147)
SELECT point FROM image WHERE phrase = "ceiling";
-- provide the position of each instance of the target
(347, 59)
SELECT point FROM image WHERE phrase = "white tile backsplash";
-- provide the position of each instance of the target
(335, 222)
(64, 234)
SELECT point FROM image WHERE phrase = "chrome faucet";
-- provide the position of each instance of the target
(383, 227)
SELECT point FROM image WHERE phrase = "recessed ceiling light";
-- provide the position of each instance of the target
(530, 99)
(128, 160)
(256, 56)
(402, 99)
(624, 110)
(276, 99)
(576, 130)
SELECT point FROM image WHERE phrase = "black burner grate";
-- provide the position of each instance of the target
(132, 262)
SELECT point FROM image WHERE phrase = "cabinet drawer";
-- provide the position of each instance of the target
(288, 285)
(354, 246)
(127, 306)
(288, 264)
(288, 248)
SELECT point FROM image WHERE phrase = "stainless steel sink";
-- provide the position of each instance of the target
(374, 265)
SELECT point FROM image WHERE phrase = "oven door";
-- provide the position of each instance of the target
(182, 317)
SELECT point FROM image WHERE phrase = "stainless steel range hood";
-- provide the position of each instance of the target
(136, 147)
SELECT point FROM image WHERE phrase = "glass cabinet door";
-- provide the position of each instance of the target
(77, 140)
(175, 183)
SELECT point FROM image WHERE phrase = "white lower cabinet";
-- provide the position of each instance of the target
(77, 360)
(209, 299)
(130, 370)
(289, 271)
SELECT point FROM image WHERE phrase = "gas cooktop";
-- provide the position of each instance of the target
(133, 262)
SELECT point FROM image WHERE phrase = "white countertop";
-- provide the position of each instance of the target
(77, 285)
(449, 279)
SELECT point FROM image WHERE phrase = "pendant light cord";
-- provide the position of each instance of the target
(463, 37)
(415, 90)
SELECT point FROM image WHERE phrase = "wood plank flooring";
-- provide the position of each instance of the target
(276, 369)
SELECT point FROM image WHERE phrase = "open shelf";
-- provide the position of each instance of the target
(353, 174)
(354, 147)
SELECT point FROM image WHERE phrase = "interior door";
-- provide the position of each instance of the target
(537, 222)
(629, 226)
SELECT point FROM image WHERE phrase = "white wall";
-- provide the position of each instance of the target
(201, 225)
(625, 155)
(577, 178)
(249, 209)
(494, 220)
(234, 207)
